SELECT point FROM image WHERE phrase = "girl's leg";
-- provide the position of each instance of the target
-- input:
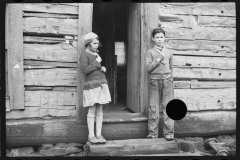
(99, 121)
(90, 122)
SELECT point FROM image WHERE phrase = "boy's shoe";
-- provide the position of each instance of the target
(169, 137)
(151, 136)
(93, 140)
(101, 139)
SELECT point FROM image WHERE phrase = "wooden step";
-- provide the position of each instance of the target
(132, 146)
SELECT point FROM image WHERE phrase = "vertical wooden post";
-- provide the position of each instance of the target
(15, 56)
(85, 26)
(149, 21)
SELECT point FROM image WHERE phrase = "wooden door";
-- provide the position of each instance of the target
(133, 57)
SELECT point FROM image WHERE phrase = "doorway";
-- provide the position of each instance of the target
(118, 26)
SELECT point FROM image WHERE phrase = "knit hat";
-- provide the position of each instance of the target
(88, 38)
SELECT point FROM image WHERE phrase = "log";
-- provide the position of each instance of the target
(134, 146)
(200, 32)
(203, 53)
(50, 15)
(27, 88)
(207, 99)
(43, 40)
(67, 89)
(214, 9)
(213, 84)
(50, 26)
(37, 132)
(50, 8)
(169, 20)
(204, 74)
(60, 52)
(39, 112)
(181, 84)
(217, 21)
(209, 62)
(51, 77)
(39, 64)
(49, 98)
(214, 46)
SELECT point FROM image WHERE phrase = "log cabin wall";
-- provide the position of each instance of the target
(202, 37)
(50, 60)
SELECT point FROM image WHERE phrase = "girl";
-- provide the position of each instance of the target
(96, 91)
(159, 63)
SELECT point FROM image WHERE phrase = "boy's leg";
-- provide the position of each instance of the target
(167, 96)
(153, 115)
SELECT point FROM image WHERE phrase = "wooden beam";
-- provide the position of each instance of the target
(207, 99)
(60, 52)
(202, 62)
(50, 15)
(214, 9)
(29, 64)
(133, 147)
(50, 26)
(15, 56)
(49, 98)
(51, 77)
(203, 53)
(209, 84)
(217, 21)
(85, 12)
(204, 74)
(50, 8)
(214, 46)
(37, 132)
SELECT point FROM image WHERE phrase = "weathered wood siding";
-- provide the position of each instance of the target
(202, 37)
(50, 60)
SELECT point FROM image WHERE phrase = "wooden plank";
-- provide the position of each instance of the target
(49, 98)
(181, 84)
(134, 146)
(84, 26)
(40, 64)
(71, 4)
(51, 77)
(149, 20)
(65, 130)
(50, 8)
(216, 21)
(67, 89)
(50, 26)
(213, 84)
(209, 62)
(27, 88)
(126, 117)
(45, 40)
(134, 60)
(41, 112)
(60, 52)
(200, 32)
(214, 46)
(203, 53)
(207, 99)
(204, 74)
(214, 9)
(15, 56)
(26, 67)
(50, 15)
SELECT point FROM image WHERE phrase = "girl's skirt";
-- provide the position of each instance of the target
(99, 95)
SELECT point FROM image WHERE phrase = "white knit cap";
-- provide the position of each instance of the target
(88, 38)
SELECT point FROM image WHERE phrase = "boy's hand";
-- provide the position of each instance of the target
(103, 69)
(159, 59)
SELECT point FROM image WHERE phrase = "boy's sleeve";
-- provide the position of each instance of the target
(151, 64)
(86, 67)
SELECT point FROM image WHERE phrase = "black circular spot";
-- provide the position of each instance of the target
(219, 74)
(218, 101)
(222, 11)
(176, 109)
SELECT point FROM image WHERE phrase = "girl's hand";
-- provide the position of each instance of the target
(103, 69)
(99, 59)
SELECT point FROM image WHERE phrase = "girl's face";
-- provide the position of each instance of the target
(94, 45)
(159, 39)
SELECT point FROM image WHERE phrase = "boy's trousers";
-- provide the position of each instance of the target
(161, 92)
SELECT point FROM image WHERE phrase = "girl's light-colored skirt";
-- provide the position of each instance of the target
(99, 95)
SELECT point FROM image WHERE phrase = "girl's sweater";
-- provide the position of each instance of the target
(157, 69)
(92, 69)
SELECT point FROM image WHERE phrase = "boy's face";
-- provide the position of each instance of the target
(94, 45)
(159, 39)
